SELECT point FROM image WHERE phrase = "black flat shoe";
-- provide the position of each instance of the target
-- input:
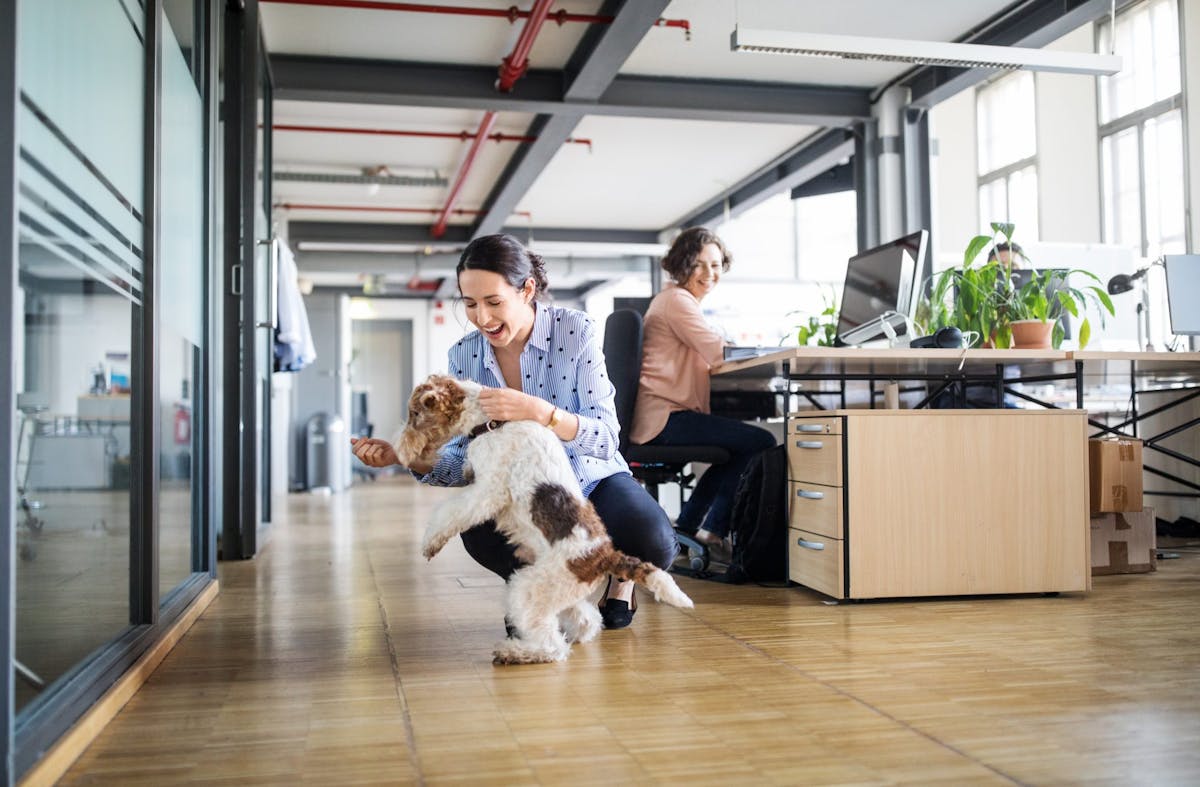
(615, 613)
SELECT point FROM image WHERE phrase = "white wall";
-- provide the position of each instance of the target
(1189, 13)
(952, 124)
(1068, 149)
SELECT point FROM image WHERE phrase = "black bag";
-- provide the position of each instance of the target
(758, 523)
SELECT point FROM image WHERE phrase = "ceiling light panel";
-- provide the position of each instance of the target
(937, 53)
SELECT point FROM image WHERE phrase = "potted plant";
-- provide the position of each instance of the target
(820, 327)
(986, 300)
(1033, 317)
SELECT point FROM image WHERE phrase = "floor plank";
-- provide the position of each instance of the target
(340, 656)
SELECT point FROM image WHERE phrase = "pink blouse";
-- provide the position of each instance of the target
(678, 349)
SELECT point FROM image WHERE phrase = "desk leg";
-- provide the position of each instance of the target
(1133, 397)
(999, 385)
(1079, 385)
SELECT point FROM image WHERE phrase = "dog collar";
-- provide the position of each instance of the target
(485, 427)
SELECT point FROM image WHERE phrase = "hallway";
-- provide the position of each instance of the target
(340, 656)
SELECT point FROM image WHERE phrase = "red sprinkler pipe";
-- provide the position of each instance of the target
(512, 14)
(513, 67)
(510, 71)
(485, 127)
(385, 209)
(460, 135)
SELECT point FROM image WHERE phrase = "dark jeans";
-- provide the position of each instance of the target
(636, 523)
(711, 502)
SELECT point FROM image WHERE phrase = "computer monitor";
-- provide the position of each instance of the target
(1021, 277)
(880, 287)
(1183, 293)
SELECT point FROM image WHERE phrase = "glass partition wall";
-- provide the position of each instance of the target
(113, 201)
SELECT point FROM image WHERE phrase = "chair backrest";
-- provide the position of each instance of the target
(623, 359)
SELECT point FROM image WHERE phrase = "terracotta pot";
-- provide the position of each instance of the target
(1032, 334)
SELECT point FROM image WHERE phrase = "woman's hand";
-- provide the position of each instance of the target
(507, 404)
(374, 452)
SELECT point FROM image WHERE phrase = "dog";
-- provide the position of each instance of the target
(522, 480)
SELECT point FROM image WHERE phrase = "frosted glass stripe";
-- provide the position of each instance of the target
(31, 234)
(90, 258)
(88, 225)
(49, 151)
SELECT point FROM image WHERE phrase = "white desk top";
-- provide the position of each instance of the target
(882, 361)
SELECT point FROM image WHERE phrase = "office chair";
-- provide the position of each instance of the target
(652, 465)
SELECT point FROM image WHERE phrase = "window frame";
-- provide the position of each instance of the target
(1005, 171)
(1137, 119)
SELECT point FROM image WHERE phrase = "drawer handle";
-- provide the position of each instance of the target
(809, 444)
(810, 494)
(811, 428)
(816, 546)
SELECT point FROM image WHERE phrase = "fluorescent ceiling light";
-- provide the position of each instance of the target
(934, 53)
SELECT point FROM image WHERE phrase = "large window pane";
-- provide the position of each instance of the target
(1147, 37)
(1120, 182)
(183, 276)
(1163, 154)
(1007, 128)
(80, 264)
(1023, 203)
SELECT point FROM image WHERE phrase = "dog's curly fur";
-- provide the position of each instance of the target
(524, 483)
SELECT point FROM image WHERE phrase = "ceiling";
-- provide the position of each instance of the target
(638, 127)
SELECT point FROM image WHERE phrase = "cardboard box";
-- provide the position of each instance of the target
(1115, 475)
(1124, 543)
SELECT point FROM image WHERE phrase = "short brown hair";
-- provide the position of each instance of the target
(681, 257)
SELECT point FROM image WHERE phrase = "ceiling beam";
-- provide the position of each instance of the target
(811, 158)
(592, 67)
(456, 234)
(1034, 24)
(541, 92)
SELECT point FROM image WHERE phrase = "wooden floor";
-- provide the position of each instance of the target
(339, 656)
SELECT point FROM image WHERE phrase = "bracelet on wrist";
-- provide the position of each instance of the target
(554, 418)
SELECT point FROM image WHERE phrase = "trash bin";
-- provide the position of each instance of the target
(327, 452)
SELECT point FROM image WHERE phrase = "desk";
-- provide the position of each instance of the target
(944, 367)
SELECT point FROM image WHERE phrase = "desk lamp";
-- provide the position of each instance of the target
(1124, 282)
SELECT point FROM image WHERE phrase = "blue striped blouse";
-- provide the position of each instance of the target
(562, 363)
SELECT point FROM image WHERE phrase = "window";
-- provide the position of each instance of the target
(1141, 132)
(1007, 136)
(789, 257)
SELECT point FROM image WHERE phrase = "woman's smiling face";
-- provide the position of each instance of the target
(706, 271)
(499, 310)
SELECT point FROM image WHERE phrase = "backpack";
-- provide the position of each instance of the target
(759, 522)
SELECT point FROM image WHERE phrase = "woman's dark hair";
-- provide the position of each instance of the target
(505, 255)
(681, 258)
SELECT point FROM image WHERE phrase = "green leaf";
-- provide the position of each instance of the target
(1068, 303)
(1085, 333)
(1005, 228)
(976, 245)
(1103, 296)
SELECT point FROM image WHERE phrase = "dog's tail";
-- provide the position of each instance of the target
(649, 576)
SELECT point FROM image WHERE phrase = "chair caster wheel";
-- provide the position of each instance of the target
(697, 563)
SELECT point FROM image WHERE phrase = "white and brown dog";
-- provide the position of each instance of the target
(523, 481)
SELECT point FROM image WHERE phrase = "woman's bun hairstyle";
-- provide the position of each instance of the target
(507, 256)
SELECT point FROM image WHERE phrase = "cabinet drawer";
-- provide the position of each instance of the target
(815, 508)
(825, 425)
(815, 561)
(816, 459)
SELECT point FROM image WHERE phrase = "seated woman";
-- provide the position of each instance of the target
(678, 351)
(541, 362)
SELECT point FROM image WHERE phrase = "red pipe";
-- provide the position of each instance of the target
(513, 67)
(510, 71)
(512, 14)
(460, 135)
(485, 127)
(383, 209)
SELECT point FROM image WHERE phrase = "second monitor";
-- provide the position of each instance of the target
(881, 287)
